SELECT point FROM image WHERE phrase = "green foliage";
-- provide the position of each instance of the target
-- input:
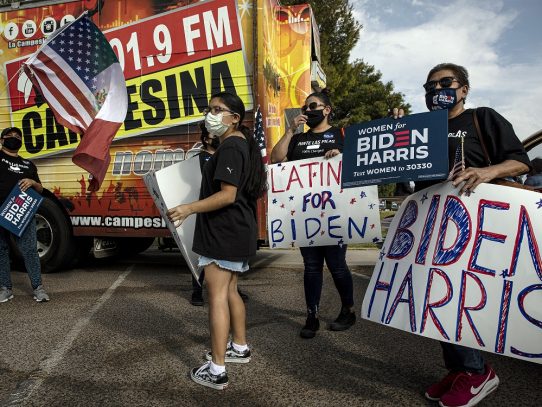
(386, 190)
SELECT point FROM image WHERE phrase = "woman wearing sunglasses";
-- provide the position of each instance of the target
(322, 139)
(469, 379)
(225, 237)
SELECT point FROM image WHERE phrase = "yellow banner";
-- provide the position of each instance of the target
(156, 101)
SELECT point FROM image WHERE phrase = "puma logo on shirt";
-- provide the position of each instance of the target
(229, 169)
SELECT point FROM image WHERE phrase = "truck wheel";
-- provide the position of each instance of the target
(54, 234)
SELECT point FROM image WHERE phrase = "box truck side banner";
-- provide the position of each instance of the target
(172, 63)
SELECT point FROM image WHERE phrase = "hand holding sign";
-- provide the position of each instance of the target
(179, 213)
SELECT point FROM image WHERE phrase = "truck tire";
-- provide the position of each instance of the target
(56, 245)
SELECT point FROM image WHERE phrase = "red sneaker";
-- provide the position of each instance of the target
(437, 390)
(468, 389)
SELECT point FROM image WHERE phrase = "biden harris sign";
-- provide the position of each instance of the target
(385, 151)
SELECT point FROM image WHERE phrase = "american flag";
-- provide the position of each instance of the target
(459, 161)
(81, 79)
(259, 135)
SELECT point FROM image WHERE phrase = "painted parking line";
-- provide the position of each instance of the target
(29, 387)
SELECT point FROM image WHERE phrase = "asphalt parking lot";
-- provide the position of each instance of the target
(123, 333)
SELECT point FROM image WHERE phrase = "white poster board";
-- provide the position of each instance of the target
(171, 186)
(308, 207)
(464, 270)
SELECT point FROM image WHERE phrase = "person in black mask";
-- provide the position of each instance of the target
(16, 170)
(208, 147)
(494, 151)
(321, 140)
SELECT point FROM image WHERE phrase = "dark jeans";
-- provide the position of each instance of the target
(462, 359)
(27, 245)
(335, 258)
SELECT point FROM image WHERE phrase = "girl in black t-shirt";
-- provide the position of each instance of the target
(321, 140)
(225, 235)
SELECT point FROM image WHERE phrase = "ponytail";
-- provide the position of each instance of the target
(257, 178)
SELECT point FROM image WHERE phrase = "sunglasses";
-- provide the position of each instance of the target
(311, 106)
(445, 82)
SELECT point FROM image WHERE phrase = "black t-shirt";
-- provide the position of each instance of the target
(228, 233)
(204, 156)
(310, 145)
(13, 169)
(499, 137)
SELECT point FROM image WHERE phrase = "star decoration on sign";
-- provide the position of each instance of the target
(373, 226)
(283, 168)
(376, 240)
(424, 198)
(322, 232)
(311, 242)
(381, 255)
(352, 201)
(274, 245)
(371, 206)
(292, 213)
(341, 242)
(539, 203)
(504, 273)
(282, 206)
(322, 214)
(362, 194)
(314, 174)
(274, 201)
(293, 244)
(291, 197)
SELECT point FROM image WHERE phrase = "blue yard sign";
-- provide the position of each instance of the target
(19, 209)
(386, 151)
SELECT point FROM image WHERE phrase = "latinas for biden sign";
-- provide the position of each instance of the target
(387, 151)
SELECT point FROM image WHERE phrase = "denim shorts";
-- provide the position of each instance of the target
(235, 266)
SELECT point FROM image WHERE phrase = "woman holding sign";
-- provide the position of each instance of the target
(321, 140)
(16, 170)
(490, 150)
(225, 236)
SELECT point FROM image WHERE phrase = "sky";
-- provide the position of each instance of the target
(498, 41)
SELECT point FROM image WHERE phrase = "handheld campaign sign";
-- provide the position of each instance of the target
(386, 151)
(171, 186)
(465, 270)
(19, 209)
(308, 207)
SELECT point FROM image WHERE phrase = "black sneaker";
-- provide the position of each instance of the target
(345, 320)
(197, 298)
(311, 326)
(202, 375)
(232, 355)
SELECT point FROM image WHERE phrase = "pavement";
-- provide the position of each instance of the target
(291, 258)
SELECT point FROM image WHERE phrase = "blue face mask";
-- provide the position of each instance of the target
(440, 99)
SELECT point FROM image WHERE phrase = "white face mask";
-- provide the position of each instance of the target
(214, 125)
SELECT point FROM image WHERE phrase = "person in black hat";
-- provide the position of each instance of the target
(16, 170)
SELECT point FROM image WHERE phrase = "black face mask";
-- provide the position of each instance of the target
(314, 117)
(12, 143)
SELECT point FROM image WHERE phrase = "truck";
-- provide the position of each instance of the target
(174, 55)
